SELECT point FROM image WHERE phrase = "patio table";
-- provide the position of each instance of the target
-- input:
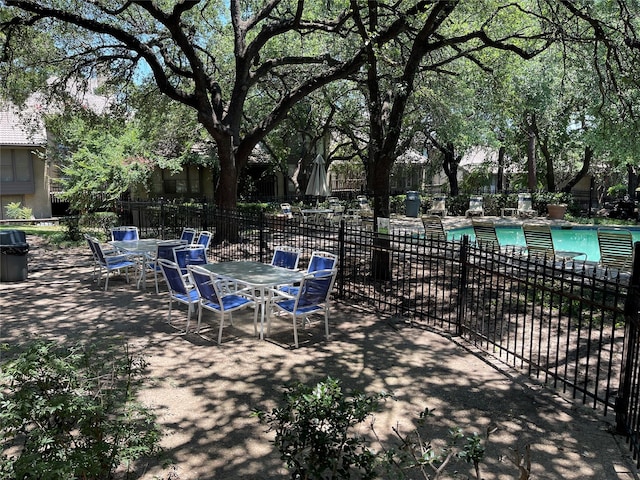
(142, 250)
(317, 213)
(257, 275)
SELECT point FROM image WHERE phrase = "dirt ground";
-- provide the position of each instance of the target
(204, 394)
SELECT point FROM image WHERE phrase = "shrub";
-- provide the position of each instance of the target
(15, 211)
(313, 431)
(70, 413)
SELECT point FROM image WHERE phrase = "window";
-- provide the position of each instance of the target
(16, 172)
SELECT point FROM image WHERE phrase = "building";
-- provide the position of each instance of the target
(24, 170)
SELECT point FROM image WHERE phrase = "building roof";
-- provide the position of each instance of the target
(21, 128)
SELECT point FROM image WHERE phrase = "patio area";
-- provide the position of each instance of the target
(204, 393)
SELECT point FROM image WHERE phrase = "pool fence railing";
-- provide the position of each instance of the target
(569, 324)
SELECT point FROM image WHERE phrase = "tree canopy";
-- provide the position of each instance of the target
(243, 67)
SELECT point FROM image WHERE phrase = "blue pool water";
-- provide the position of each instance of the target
(575, 239)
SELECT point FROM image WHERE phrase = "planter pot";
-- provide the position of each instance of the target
(556, 212)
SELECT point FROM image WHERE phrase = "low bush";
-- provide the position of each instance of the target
(71, 413)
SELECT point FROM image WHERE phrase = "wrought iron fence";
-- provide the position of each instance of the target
(562, 323)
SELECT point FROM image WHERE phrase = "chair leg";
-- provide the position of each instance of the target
(220, 329)
(326, 323)
(186, 330)
(295, 330)
(106, 280)
(255, 320)
(199, 317)
(170, 306)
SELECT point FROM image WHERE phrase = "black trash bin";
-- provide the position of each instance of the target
(13, 256)
(412, 204)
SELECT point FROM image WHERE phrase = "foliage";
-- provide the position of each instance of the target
(100, 160)
(70, 413)
(618, 190)
(15, 210)
(314, 431)
(71, 225)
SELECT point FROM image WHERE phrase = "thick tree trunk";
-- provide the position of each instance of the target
(450, 164)
(549, 171)
(532, 180)
(500, 180)
(586, 164)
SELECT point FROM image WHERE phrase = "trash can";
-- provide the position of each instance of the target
(412, 204)
(13, 256)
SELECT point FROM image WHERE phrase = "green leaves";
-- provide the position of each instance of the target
(70, 413)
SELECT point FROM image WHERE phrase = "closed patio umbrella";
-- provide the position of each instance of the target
(318, 185)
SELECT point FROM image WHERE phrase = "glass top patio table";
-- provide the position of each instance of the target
(260, 276)
(142, 249)
(146, 245)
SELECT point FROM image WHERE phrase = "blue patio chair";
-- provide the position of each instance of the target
(204, 238)
(319, 261)
(178, 289)
(109, 262)
(286, 257)
(221, 295)
(124, 233)
(188, 235)
(313, 296)
(189, 255)
(164, 251)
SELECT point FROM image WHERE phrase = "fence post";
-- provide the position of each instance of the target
(462, 283)
(261, 240)
(162, 213)
(205, 214)
(631, 308)
(342, 253)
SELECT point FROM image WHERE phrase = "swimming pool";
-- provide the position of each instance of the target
(576, 239)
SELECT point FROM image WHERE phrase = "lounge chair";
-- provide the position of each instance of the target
(539, 243)
(616, 249)
(475, 207)
(439, 206)
(433, 227)
(485, 232)
(525, 206)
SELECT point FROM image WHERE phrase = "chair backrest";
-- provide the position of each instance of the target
(616, 248)
(124, 233)
(188, 235)
(164, 250)
(286, 257)
(286, 209)
(297, 212)
(433, 227)
(363, 202)
(524, 202)
(439, 204)
(538, 239)
(204, 238)
(322, 261)
(89, 240)
(485, 232)
(189, 255)
(96, 248)
(173, 276)
(316, 289)
(475, 204)
(204, 282)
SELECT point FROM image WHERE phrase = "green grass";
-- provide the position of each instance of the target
(53, 234)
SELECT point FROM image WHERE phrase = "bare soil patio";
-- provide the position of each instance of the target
(204, 393)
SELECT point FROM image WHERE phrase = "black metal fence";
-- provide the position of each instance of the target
(573, 326)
